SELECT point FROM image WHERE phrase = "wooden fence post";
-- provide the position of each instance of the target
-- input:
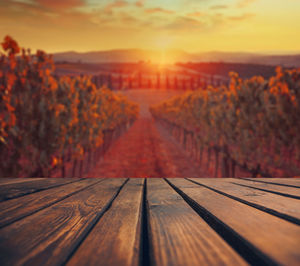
(192, 83)
(158, 81)
(130, 83)
(149, 83)
(175, 83)
(199, 85)
(110, 82)
(140, 80)
(167, 82)
(120, 82)
(184, 84)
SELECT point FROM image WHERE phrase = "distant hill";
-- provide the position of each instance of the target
(222, 69)
(137, 55)
(121, 56)
(283, 60)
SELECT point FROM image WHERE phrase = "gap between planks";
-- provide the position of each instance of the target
(178, 235)
(287, 182)
(283, 191)
(49, 236)
(262, 234)
(11, 191)
(17, 208)
(285, 208)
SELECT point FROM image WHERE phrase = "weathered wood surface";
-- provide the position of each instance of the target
(179, 235)
(10, 191)
(15, 209)
(291, 192)
(287, 208)
(292, 182)
(116, 237)
(265, 232)
(49, 236)
(5, 181)
(192, 221)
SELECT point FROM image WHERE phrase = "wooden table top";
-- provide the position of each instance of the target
(153, 221)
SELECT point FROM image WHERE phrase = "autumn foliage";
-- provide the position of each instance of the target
(42, 116)
(254, 122)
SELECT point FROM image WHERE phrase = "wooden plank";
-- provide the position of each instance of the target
(277, 240)
(5, 180)
(15, 209)
(279, 190)
(286, 208)
(49, 236)
(178, 235)
(115, 239)
(293, 182)
(11, 191)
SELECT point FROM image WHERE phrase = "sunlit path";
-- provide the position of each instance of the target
(146, 150)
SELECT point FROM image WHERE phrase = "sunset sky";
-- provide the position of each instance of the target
(189, 25)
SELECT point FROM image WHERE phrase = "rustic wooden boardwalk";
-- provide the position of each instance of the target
(174, 221)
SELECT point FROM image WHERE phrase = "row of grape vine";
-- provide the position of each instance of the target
(44, 118)
(253, 123)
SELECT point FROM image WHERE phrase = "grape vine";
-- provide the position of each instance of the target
(43, 116)
(253, 122)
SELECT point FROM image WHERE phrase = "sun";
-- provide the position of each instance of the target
(166, 57)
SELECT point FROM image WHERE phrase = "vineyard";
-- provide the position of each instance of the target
(59, 125)
(133, 76)
(46, 121)
(252, 124)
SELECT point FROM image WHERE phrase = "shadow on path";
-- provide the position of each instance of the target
(146, 150)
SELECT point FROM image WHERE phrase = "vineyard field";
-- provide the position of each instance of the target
(252, 123)
(222, 69)
(66, 119)
(47, 120)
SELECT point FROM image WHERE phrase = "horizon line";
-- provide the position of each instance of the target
(270, 52)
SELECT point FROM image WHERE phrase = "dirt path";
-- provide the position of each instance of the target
(145, 151)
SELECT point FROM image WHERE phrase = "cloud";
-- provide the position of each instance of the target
(217, 7)
(127, 18)
(116, 4)
(242, 17)
(158, 10)
(21, 9)
(184, 23)
(245, 3)
(38, 14)
(140, 3)
(195, 14)
(60, 4)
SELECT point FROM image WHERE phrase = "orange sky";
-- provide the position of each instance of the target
(190, 25)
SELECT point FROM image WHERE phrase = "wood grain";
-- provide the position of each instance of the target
(49, 236)
(10, 191)
(279, 190)
(178, 235)
(115, 239)
(6, 181)
(277, 239)
(294, 182)
(15, 209)
(287, 208)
